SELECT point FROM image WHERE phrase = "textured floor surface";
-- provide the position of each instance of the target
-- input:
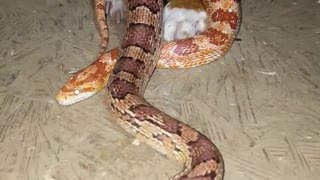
(260, 104)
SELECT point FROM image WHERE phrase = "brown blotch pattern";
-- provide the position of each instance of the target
(128, 64)
(120, 88)
(145, 112)
(203, 150)
(153, 6)
(140, 35)
(216, 37)
(185, 47)
(223, 15)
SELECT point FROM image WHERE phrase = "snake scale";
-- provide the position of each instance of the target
(130, 73)
(137, 61)
(222, 27)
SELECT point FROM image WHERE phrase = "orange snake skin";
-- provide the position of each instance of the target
(199, 50)
(129, 75)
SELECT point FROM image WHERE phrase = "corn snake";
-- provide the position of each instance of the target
(131, 72)
(187, 53)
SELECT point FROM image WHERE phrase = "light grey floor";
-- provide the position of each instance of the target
(259, 104)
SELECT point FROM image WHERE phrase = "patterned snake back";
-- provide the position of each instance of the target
(223, 25)
(137, 61)
(139, 55)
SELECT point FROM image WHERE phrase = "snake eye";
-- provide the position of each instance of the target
(76, 92)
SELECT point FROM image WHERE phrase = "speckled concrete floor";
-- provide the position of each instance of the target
(259, 104)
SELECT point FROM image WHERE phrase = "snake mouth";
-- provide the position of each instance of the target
(69, 99)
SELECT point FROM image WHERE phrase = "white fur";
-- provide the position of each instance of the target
(178, 23)
(182, 23)
(116, 9)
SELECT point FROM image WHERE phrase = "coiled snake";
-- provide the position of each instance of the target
(139, 53)
(199, 50)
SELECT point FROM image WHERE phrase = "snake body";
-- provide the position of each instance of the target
(133, 69)
(138, 57)
(223, 25)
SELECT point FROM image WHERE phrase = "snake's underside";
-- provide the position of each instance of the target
(223, 25)
(130, 73)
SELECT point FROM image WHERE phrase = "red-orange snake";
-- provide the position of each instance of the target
(138, 57)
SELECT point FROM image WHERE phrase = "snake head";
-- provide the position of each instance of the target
(68, 94)
(78, 88)
(88, 81)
